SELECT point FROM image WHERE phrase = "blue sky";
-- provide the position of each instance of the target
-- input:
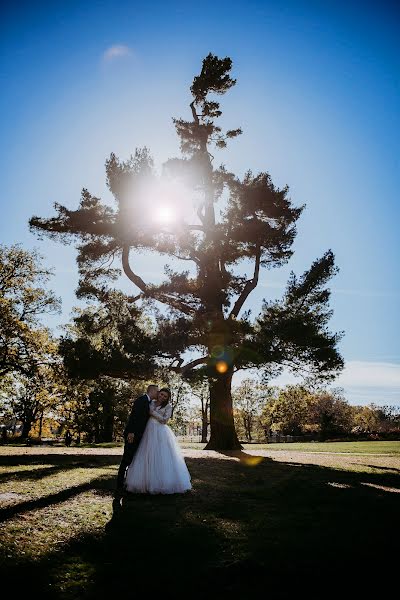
(318, 101)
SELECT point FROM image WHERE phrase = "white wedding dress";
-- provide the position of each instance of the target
(158, 466)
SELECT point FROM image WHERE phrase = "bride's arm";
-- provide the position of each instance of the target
(161, 418)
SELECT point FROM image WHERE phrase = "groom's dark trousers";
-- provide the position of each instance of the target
(136, 424)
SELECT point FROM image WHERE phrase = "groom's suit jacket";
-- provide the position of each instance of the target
(138, 418)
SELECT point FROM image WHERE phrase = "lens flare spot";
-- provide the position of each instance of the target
(252, 461)
(221, 366)
(218, 352)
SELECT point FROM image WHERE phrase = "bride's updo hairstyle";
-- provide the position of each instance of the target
(167, 391)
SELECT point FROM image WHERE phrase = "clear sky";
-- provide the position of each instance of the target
(318, 101)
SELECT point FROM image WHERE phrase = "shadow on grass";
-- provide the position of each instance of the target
(36, 474)
(68, 458)
(382, 468)
(43, 502)
(247, 528)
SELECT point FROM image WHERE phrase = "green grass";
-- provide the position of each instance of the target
(265, 527)
(378, 447)
(391, 448)
(369, 447)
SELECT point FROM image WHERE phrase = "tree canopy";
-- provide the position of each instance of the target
(212, 221)
(25, 344)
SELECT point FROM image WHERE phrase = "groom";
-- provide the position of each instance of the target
(134, 430)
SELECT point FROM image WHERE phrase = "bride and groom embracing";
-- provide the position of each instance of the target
(152, 461)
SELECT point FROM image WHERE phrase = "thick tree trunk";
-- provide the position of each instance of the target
(28, 418)
(26, 427)
(223, 432)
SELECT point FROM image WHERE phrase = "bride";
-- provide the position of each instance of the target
(158, 466)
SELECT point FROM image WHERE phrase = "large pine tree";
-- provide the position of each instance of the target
(220, 221)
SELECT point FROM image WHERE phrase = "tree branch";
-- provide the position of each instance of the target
(194, 227)
(138, 281)
(132, 299)
(193, 258)
(177, 304)
(190, 365)
(248, 288)
(195, 115)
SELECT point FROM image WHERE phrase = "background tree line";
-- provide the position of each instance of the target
(41, 393)
(261, 412)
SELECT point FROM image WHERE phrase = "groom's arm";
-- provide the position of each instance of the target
(129, 428)
(138, 417)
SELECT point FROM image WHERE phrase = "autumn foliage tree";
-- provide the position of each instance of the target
(249, 399)
(25, 345)
(220, 222)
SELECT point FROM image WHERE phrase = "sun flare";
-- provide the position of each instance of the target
(165, 214)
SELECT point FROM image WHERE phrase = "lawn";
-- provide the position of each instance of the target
(270, 521)
(373, 447)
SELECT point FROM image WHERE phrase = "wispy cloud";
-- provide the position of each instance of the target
(117, 51)
(370, 374)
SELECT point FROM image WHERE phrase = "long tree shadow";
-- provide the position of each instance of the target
(381, 468)
(60, 459)
(246, 528)
(102, 483)
(45, 501)
(36, 474)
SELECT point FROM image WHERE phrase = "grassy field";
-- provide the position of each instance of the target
(369, 447)
(271, 521)
(378, 447)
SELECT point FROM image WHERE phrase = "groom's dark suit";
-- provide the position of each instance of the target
(136, 424)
